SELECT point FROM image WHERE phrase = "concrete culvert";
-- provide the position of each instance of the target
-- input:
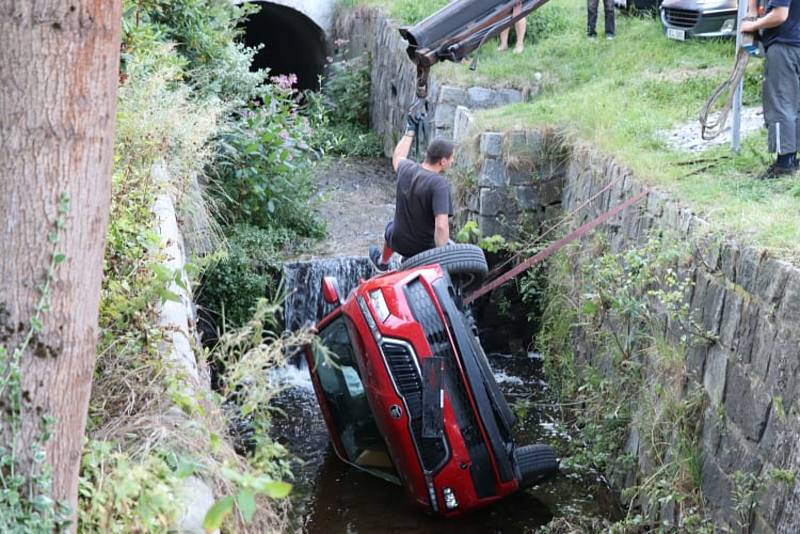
(292, 43)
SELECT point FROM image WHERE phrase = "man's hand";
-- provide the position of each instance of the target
(748, 26)
(412, 122)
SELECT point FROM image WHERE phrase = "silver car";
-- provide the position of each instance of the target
(683, 19)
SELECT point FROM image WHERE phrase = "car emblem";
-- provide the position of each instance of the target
(395, 411)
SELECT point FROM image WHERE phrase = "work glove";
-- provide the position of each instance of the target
(412, 122)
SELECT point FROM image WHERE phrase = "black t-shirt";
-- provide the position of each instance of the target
(421, 195)
(788, 32)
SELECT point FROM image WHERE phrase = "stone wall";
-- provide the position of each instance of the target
(747, 300)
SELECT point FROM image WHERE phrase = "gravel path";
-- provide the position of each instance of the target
(357, 202)
(687, 136)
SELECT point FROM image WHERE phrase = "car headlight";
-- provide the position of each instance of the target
(450, 501)
(379, 305)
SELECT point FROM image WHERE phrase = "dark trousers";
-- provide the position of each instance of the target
(608, 8)
(781, 97)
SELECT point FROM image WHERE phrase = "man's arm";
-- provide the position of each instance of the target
(402, 149)
(773, 19)
(441, 232)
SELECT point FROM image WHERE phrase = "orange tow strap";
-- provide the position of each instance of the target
(553, 248)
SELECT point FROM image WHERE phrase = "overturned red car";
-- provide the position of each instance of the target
(407, 392)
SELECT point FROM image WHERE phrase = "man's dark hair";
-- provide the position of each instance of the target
(437, 150)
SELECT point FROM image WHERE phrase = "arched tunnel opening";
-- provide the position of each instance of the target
(292, 44)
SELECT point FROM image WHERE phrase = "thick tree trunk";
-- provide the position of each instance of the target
(59, 62)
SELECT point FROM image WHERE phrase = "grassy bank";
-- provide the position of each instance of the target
(620, 96)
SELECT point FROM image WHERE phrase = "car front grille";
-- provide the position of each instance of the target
(405, 375)
(402, 366)
(681, 18)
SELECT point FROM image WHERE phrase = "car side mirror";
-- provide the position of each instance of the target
(330, 290)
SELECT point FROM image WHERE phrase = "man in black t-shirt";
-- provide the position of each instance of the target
(780, 33)
(423, 203)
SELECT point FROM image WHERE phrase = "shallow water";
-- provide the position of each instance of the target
(332, 497)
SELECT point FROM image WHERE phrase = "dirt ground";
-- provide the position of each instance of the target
(357, 201)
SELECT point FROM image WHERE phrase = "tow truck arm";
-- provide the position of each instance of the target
(458, 29)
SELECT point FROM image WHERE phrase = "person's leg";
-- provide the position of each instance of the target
(591, 7)
(608, 6)
(520, 27)
(503, 40)
(780, 97)
(381, 258)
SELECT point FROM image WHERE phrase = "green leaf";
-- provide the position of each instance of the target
(275, 489)
(246, 501)
(36, 324)
(59, 258)
(217, 514)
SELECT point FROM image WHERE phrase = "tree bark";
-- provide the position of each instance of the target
(59, 64)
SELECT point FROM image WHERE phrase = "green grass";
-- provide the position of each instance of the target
(619, 94)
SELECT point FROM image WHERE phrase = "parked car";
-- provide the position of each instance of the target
(684, 19)
(407, 392)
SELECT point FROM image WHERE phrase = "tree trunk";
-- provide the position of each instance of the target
(59, 64)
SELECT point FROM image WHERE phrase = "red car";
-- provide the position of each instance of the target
(407, 392)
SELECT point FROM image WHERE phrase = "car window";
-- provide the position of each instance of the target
(337, 371)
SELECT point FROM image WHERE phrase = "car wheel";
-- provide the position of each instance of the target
(457, 259)
(535, 464)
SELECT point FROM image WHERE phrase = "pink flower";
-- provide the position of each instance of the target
(285, 82)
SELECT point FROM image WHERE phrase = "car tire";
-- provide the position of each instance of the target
(534, 464)
(456, 259)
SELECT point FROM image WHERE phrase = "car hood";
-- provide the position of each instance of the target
(700, 5)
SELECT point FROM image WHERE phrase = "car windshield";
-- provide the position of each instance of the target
(338, 375)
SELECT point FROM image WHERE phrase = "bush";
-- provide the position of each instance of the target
(231, 287)
(262, 168)
(548, 20)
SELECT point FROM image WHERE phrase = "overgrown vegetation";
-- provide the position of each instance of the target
(615, 337)
(189, 107)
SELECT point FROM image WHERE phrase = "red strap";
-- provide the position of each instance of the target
(554, 247)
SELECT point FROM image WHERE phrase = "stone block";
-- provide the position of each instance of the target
(462, 124)
(748, 325)
(496, 201)
(445, 116)
(550, 191)
(473, 203)
(713, 428)
(784, 365)
(736, 453)
(490, 226)
(746, 402)
(771, 280)
(716, 372)
(696, 361)
(454, 96)
(747, 268)
(517, 141)
(789, 310)
(519, 176)
(716, 486)
(763, 342)
(492, 144)
(508, 96)
(780, 436)
(527, 196)
(729, 258)
(731, 316)
(492, 173)
(480, 97)
(713, 305)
